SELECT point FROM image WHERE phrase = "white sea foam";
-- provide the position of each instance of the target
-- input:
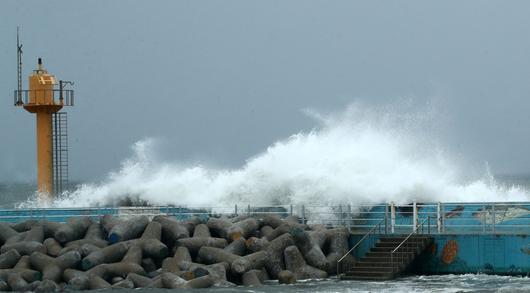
(359, 156)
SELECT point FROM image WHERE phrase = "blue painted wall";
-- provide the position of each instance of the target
(459, 254)
(473, 238)
(499, 254)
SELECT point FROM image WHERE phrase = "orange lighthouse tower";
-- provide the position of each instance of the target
(45, 98)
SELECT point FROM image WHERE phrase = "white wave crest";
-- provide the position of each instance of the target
(360, 156)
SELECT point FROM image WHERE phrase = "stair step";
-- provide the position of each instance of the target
(399, 239)
(369, 274)
(390, 249)
(375, 264)
(401, 248)
(372, 269)
(397, 254)
(375, 259)
(382, 249)
(366, 278)
(390, 239)
(381, 264)
(386, 261)
(389, 253)
(382, 269)
(397, 243)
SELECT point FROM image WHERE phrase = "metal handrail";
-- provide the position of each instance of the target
(449, 218)
(62, 97)
(414, 231)
(378, 225)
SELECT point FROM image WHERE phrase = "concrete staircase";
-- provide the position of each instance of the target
(379, 265)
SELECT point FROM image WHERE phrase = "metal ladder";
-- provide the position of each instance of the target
(60, 152)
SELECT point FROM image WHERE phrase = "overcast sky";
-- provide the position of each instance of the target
(219, 81)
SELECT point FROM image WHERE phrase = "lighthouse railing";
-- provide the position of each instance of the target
(43, 97)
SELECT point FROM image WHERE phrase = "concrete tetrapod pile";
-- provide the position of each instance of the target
(138, 252)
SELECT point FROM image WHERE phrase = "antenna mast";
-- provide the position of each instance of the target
(41, 99)
(19, 69)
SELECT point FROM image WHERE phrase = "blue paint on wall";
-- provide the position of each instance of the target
(472, 238)
(498, 254)
(460, 254)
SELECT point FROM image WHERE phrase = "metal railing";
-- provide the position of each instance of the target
(449, 218)
(329, 216)
(493, 218)
(371, 231)
(180, 212)
(406, 246)
(446, 218)
(42, 97)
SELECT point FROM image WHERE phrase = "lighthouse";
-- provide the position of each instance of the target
(45, 98)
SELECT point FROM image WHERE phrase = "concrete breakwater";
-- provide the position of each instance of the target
(162, 252)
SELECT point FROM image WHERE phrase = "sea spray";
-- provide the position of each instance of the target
(360, 156)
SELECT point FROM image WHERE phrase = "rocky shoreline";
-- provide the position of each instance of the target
(162, 252)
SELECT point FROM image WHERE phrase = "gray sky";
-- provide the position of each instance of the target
(221, 80)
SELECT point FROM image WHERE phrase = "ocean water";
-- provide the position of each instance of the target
(13, 193)
(442, 283)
